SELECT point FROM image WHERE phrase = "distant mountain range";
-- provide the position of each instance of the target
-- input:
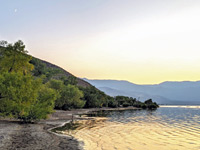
(185, 93)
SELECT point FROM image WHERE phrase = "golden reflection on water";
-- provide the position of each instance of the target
(139, 135)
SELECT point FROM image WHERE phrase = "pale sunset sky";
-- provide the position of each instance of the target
(142, 41)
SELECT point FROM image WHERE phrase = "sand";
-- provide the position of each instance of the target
(17, 136)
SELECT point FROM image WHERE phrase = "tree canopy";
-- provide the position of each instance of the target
(69, 95)
(22, 96)
(14, 58)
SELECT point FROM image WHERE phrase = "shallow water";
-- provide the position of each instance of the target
(167, 128)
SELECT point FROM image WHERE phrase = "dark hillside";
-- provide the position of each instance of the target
(63, 72)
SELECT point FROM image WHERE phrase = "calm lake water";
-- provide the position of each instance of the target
(167, 128)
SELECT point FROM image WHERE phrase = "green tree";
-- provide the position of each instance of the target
(94, 97)
(14, 58)
(69, 80)
(39, 67)
(69, 95)
(24, 97)
(21, 95)
(150, 104)
(56, 85)
(45, 103)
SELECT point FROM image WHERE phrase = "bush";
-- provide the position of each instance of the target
(94, 98)
(138, 104)
(112, 104)
(143, 106)
(25, 98)
(150, 104)
(125, 104)
(69, 96)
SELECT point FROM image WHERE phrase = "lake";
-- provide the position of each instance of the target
(167, 128)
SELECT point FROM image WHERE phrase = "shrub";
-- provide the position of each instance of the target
(25, 98)
(125, 104)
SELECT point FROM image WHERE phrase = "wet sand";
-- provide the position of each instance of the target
(16, 136)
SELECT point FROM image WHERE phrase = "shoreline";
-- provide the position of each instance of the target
(181, 106)
(16, 136)
(82, 119)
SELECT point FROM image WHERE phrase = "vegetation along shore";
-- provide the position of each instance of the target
(32, 89)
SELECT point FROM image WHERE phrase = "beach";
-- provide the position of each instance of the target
(17, 136)
(14, 135)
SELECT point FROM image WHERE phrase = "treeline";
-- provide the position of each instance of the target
(29, 90)
(86, 97)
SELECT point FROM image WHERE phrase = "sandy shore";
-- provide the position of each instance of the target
(16, 136)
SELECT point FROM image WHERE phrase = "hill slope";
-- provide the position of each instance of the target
(67, 74)
(62, 72)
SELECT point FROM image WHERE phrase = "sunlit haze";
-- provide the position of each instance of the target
(142, 41)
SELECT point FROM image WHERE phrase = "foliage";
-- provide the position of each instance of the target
(40, 69)
(69, 80)
(23, 97)
(14, 58)
(71, 98)
(56, 85)
(112, 102)
(125, 101)
(150, 104)
(138, 104)
(94, 97)
(45, 103)
(69, 95)
(125, 104)
(29, 90)
(67, 126)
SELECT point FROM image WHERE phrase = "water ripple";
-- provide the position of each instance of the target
(168, 128)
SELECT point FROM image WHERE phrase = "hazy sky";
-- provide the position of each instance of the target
(143, 41)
